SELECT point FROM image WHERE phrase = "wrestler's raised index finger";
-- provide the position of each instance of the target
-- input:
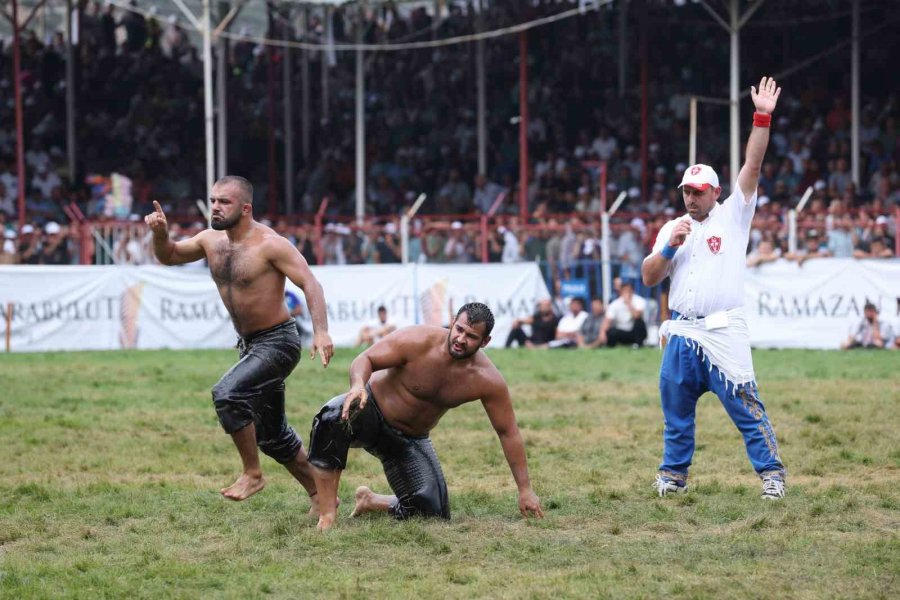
(157, 208)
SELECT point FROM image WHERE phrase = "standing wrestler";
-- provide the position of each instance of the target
(249, 262)
(399, 389)
(708, 345)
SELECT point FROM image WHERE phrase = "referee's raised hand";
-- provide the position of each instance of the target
(766, 97)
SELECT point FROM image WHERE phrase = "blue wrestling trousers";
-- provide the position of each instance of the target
(685, 375)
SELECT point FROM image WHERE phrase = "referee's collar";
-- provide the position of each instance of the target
(708, 215)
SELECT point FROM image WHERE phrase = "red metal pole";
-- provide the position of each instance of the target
(523, 126)
(20, 117)
(270, 88)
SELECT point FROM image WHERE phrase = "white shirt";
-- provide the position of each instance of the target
(620, 314)
(510, 248)
(571, 323)
(708, 269)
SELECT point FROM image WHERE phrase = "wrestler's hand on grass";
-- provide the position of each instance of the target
(322, 345)
(530, 504)
(358, 394)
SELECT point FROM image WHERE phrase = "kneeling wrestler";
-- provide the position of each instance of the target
(399, 389)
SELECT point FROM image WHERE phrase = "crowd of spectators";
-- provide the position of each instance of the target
(140, 113)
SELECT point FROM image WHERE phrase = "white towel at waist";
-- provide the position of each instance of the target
(727, 348)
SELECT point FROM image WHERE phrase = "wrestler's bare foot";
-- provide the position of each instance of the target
(314, 506)
(326, 521)
(364, 497)
(245, 486)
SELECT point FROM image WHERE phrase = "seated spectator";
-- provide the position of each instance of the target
(511, 248)
(589, 336)
(840, 238)
(765, 252)
(569, 327)
(375, 330)
(874, 249)
(813, 248)
(870, 332)
(485, 193)
(543, 327)
(624, 322)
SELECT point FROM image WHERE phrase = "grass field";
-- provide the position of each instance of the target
(112, 462)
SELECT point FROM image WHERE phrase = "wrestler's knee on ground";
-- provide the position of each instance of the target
(424, 502)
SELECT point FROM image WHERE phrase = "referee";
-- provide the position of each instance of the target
(708, 345)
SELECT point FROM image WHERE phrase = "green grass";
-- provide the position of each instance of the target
(111, 462)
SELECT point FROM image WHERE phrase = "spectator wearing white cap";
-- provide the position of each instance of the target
(28, 245)
(54, 246)
(387, 246)
(459, 247)
(8, 253)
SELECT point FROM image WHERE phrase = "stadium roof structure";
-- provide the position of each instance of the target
(731, 15)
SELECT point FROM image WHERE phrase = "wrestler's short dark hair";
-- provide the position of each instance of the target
(245, 186)
(478, 313)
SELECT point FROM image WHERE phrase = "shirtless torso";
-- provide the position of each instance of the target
(415, 395)
(251, 287)
(248, 262)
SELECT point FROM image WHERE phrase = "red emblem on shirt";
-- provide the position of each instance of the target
(695, 170)
(715, 244)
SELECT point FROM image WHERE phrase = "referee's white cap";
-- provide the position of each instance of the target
(700, 177)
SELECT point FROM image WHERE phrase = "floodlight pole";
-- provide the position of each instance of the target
(733, 27)
(209, 117)
(854, 97)
(329, 39)
(523, 126)
(734, 91)
(480, 93)
(287, 92)
(304, 89)
(20, 118)
(360, 125)
(222, 100)
(72, 16)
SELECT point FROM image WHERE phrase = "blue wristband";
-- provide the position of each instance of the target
(668, 252)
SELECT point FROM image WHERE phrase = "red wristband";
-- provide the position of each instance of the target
(761, 119)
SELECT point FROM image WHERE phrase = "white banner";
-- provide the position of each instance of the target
(107, 308)
(816, 305)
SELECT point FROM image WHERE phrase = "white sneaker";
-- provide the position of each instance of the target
(666, 485)
(773, 487)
